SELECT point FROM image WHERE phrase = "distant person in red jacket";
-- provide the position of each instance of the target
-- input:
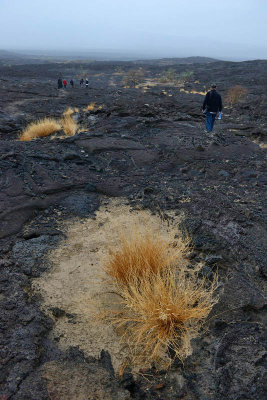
(64, 83)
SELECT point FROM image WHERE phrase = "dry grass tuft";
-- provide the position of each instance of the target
(133, 78)
(235, 94)
(40, 128)
(159, 317)
(93, 107)
(162, 303)
(90, 107)
(141, 254)
(69, 126)
(47, 126)
(192, 92)
(69, 111)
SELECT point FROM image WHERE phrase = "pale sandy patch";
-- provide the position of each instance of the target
(77, 277)
(80, 381)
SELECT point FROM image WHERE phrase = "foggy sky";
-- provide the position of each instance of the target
(227, 29)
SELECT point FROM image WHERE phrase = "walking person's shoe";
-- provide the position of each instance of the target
(213, 134)
(208, 133)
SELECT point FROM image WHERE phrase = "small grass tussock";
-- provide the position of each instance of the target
(119, 70)
(93, 107)
(69, 111)
(235, 94)
(40, 128)
(162, 304)
(90, 107)
(69, 126)
(133, 78)
(169, 75)
(172, 76)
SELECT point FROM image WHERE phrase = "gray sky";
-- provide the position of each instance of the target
(229, 29)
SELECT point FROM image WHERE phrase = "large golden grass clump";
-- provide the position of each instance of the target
(40, 128)
(140, 256)
(47, 126)
(162, 303)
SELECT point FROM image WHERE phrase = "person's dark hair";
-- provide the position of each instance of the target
(213, 86)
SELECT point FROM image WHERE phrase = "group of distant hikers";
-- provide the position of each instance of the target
(212, 103)
(62, 83)
(86, 82)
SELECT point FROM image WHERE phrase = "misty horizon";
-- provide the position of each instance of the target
(117, 54)
(233, 31)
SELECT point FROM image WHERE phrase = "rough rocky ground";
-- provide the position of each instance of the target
(146, 145)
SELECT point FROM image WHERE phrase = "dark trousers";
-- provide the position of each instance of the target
(210, 118)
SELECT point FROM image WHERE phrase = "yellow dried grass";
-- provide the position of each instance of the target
(69, 126)
(162, 304)
(142, 253)
(93, 107)
(235, 94)
(90, 107)
(69, 111)
(40, 128)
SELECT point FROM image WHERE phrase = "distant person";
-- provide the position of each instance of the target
(81, 82)
(71, 83)
(59, 83)
(64, 83)
(86, 83)
(211, 105)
